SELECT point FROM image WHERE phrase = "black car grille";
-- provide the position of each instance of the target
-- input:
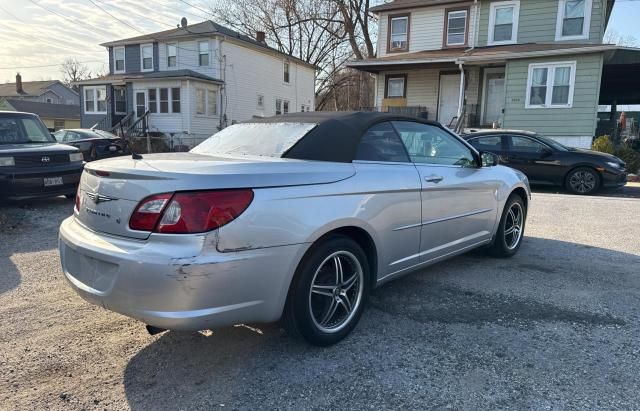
(43, 160)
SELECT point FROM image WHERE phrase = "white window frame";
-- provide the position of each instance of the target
(94, 100)
(174, 45)
(115, 105)
(215, 102)
(464, 34)
(551, 67)
(208, 53)
(278, 100)
(206, 91)
(492, 20)
(585, 27)
(286, 69)
(124, 60)
(142, 46)
(204, 105)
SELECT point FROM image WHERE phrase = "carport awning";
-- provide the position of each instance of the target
(620, 77)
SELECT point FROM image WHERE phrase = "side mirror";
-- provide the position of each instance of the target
(488, 159)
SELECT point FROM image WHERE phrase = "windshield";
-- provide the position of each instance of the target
(254, 139)
(23, 130)
(552, 143)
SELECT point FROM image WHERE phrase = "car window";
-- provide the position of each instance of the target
(59, 135)
(432, 145)
(72, 136)
(525, 144)
(487, 143)
(22, 130)
(381, 143)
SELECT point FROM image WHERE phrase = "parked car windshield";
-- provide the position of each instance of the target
(552, 143)
(254, 139)
(23, 130)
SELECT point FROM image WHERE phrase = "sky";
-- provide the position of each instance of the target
(46, 32)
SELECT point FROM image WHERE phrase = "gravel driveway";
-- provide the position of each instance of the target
(557, 326)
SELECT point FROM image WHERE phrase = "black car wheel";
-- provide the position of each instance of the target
(511, 228)
(329, 292)
(582, 180)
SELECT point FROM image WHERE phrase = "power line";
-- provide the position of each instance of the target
(121, 21)
(48, 65)
(196, 7)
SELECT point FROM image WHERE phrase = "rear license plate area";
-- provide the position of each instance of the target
(52, 181)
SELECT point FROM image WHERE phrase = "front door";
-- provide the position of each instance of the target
(493, 99)
(459, 205)
(448, 99)
(141, 103)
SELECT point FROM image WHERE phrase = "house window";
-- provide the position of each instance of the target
(278, 106)
(146, 57)
(574, 19)
(120, 99)
(164, 100)
(398, 37)
(396, 86)
(551, 85)
(203, 53)
(456, 27)
(171, 55)
(118, 59)
(49, 100)
(201, 104)
(285, 106)
(153, 100)
(58, 124)
(260, 101)
(95, 100)
(286, 71)
(503, 22)
(175, 100)
(302, 108)
(212, 103)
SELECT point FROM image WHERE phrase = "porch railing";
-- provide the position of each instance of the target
(103, 124)
(415, 111)
(123, 125)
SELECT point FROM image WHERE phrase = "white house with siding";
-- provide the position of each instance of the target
(537, 65)
(193, 81)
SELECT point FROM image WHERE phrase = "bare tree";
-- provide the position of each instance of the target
(73, 71)
(614, 37)
(325, 33)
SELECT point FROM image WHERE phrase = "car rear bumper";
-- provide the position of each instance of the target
(177, 281)
(23, 183)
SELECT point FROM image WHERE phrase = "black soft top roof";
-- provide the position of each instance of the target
(337, 134)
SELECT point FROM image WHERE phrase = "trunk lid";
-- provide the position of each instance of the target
(111, 189)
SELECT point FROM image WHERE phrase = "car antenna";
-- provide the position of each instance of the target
(135, 155)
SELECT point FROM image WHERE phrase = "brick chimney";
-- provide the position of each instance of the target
(19, 88)
(260, 36)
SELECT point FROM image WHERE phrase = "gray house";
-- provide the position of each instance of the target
(47, 91)
(189, 82)
(537, 65)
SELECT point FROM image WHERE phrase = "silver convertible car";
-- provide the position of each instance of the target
(295, 217)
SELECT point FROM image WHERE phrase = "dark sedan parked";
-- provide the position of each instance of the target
(545, 161)
(32, 163)
(94, 144)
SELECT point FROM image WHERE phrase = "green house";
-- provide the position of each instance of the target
(537, 65)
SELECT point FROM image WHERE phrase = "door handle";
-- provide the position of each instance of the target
(433, 179)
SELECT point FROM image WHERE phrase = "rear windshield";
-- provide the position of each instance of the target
(23, 130)
(254, 139)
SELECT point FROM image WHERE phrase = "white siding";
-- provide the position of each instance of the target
(202, 124)
(426, 28)
(250, 73)
(187, 57)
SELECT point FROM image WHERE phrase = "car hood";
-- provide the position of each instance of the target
(596, 154)
(51, 148)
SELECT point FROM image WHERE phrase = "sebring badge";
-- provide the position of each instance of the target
(45, 159)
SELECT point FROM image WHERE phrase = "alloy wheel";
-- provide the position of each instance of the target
(336, 291)
(582, 181)
(513, 226)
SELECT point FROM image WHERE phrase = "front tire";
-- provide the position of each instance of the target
(329, 292)
(511, 229)
(582, 180)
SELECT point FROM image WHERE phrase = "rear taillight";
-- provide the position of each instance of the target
(190, 212)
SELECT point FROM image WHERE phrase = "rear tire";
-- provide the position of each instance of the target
(511, 228)
(582, 180)
(329, 292)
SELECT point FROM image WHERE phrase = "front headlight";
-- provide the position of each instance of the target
(76, 157)
(613, 164)
(7, 162)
